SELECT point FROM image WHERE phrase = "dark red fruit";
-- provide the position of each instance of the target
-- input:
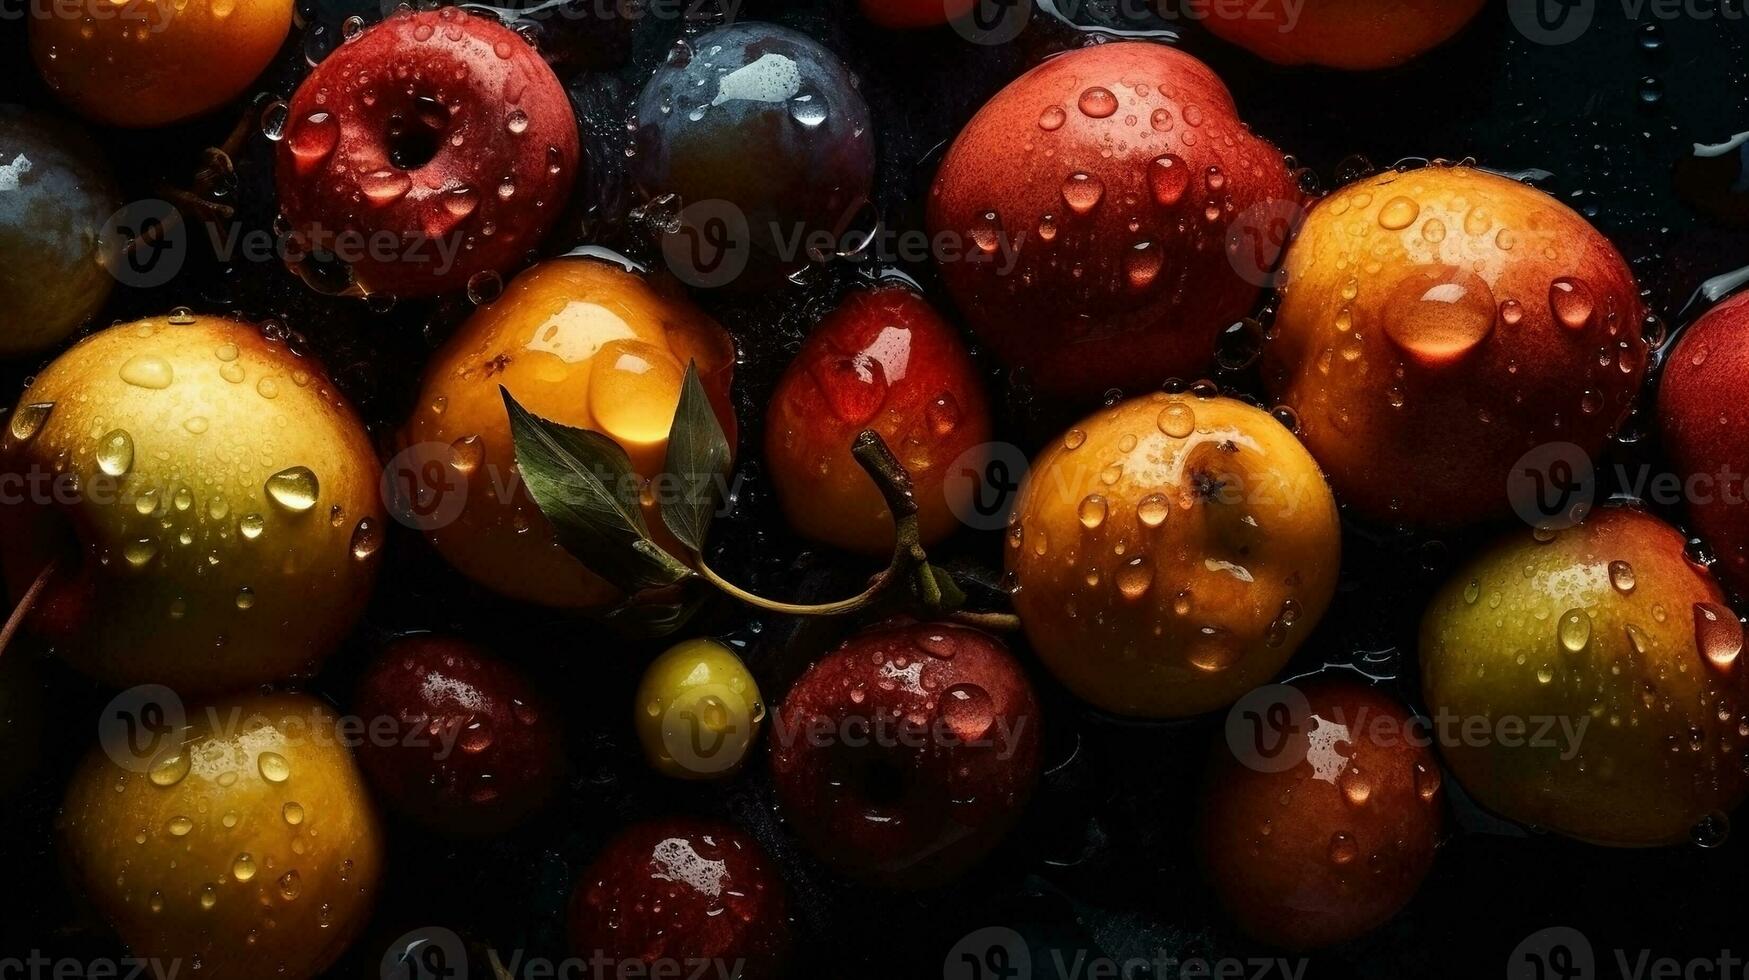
(904, 756)
(680, 895)
(433, 147)
(1706, 427)
(1326, 840)
(474, 749)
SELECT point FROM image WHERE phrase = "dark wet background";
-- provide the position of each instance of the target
(1102, 861)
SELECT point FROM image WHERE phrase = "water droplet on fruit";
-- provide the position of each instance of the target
(1097, 102)
(273, 767)
(313, 139)
(293, 813)
(1168, 178)
(1718, 634)
(179, 826)
(290, 886)
(28, 420)
(367, 539)
(139, 552)
(252, 526)
(1153, 510)
(1571, 302)
(1711, 830)
(1092, 511)
(115, 453)
(1135, 578)
(1575, 631)
(969, 711)
(1398, 213)
(1052, 118)
(1082, 192)
(295, 489)
(1343, 849)
(1177, 420)
(1438, 319)
(243, 869)
(148, 371)
(855, 387)
(170, 768)
(1621, 575)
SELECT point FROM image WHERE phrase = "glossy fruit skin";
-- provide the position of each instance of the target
(697, 711)
(913, 807)
(487, 751)
(1706, 431)
(53, 207)
(1133, 134)
(205, 564)
(906, 14)
(667, 893)
(1333, 847)
(1662, 750)
(290, 867)
(151, 62)
(884, 359)
(1395, 341)
(745, 83)
(1357, 35)
(503, 154)
(1171, 552)
(567, 338)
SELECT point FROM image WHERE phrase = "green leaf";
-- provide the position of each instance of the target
(583, 483)
(698, 459)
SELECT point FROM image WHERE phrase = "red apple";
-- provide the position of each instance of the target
(903, 757)
(474, 747)
(882, 360)
(1706, 430)
(433, 147)
(678, 895)
(1329, 833)
(1110, 204)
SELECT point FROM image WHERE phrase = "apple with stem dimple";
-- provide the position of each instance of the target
(1171, 552)
(1611, 638)
(245, 848)
(440, 131)
(583, 342)
(202, 507)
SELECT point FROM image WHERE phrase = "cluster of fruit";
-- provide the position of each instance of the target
(206, 512)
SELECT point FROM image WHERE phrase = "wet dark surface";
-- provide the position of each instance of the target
(1102, 861)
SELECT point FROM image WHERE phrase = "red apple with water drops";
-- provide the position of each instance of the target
(883, 360)
(1325, 829)
(1113, 216)
(471, 747)
(903, 757)
(669, 896)
(434, 147)
(1706, 430)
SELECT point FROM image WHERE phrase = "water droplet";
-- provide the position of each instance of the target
(115, 453)
(273, 767)
(27, 420)
(1398, 213)
(1571, 302)
(1092, 511)
(243, 869)
(1168, 178)
(293, 813)
(1718, 634)
(1052, 118)
(1343, 849)
(1575, 631)
(1177, 420)
(148, 371)
(367, 539)
(169, 768)
(295, 489)
(968, 711)
(1082, 192)
(1097, 102)
(1711, 830)
(1621, 575)
(1437, 319)
(1153, 510)
(1135, 578)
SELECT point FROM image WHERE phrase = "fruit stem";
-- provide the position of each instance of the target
(21, 612)
(995, 622)
(909, 557)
